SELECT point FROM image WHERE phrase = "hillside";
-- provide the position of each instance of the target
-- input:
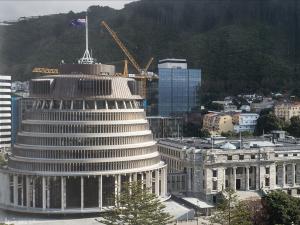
(241, 45)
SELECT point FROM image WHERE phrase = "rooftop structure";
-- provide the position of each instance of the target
(81, 137)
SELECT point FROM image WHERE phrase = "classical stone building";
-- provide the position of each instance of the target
(196, 168)
(82, 136)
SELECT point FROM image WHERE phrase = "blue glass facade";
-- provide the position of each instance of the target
(178, 90)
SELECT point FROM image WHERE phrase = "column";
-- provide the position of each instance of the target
(293, 174)
(48, 192)
(82, 192)
(224, 178)
(142, 180)
(33, 193)
(100, 191)
(234, 178)
(148, 180)
(27, 191)
(247, 178)
(16, 200)
(157, 182)
(135, 177)
(189, 180)
(130, 182)
(44, 192)
(22, 190)
(257, 177)
(283, 175)
(63, 180)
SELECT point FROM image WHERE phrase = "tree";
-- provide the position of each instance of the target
(231, 211)
(282, 208)
(294, 127)
(267, 123)
(135, 206)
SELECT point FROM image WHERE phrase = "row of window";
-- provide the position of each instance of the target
(82, 141)
(84, 116)
(82, 154)
(49, 128)
(82, 167)
(169, 152)
(81, 104)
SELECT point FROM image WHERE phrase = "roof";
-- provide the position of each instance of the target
(228, 145)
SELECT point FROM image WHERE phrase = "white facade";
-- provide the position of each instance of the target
(194, 169)
(5, 112)
(172, 64)
(246, 122)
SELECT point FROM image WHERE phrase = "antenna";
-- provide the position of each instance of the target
(86, 58)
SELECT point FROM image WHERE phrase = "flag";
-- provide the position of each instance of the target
(78, 22)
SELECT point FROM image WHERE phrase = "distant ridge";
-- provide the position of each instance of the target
(242, 46)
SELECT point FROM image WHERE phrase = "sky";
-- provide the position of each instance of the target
(14, 9)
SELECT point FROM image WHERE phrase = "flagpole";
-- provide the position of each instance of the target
(86, 33)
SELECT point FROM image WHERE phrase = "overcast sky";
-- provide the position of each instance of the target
(14, 9)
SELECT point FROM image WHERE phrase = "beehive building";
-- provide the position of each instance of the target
(82, 136)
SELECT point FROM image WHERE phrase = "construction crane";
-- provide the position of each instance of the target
(44, 70)
(142, 76)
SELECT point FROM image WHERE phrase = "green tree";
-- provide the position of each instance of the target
(231, 211)
(282, 208)
(267, 123)
(135, 206)
(294, 127)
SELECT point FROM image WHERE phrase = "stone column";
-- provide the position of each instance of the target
(27, 191)
(142, 180)
(157, 182)
(234, 178)
(63, 180)
(163, 183)
(82, 192)
(189, 180)
(33, 193)
(224, 178)
(283, 175)
(100, 191)
(44, 191)
(135, 177)
(48, 192)
(257, 177)
(293, 174)
(148, 180)
(247, 178)
(16, 200)
(22, 190)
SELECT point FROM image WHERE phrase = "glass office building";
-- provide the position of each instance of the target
(178, 87)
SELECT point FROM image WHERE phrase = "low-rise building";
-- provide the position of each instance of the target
(217, 123)
(200, 169)
(286, 110)
(244, 122)
(266, 103)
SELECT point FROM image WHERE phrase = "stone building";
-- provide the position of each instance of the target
(81, 137)
(286, 110)
(198, 168)
(217, 123)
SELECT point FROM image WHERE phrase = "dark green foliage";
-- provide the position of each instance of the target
(294, 127)
(282, 208)
(241, 45)
(267, 123)
(136, 206)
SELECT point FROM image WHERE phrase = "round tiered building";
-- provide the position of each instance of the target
(81, 138)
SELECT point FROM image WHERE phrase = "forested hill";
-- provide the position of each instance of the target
(241, 45)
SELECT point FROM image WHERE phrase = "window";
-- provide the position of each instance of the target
(267, 170)
(215, 185)
(276, 155)
(285, 155)
(241, 157)
(215, 173)
(294, 154)
(229, 157)
(298, 191)
(267, 181)
(289, 192)
(252, 156)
